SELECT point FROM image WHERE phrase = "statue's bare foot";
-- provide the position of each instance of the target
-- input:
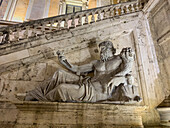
(137, 98)
(126, 98)
(29, 98)
(21, 96)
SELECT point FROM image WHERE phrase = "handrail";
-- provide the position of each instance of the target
(39, 27)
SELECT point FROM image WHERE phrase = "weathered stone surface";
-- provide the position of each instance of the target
(6, 109)
(78, 115)
(14, 56)
(4, 5)
(160, 29)
(80, 43)
(80, 46)
(164, 112)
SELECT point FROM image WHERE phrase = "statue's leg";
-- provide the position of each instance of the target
(120, 94)
(59, 77)
(66, 92)
(116, 81)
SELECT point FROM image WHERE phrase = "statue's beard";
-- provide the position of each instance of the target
(104, 56)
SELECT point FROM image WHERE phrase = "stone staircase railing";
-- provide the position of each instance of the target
(39, 27)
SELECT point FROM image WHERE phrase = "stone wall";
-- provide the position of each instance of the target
(105, 2)
(159, 22)
(24, 65)
(92, 4)
(54, 8)
(3, 7)
(27, 63)
(20, 10)
(78, 115)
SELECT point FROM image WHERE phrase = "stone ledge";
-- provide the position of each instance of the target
(78, 114)
(164, 111)
(56, 106)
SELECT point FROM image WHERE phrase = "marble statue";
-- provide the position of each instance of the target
(111, 80)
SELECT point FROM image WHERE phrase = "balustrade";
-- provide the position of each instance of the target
(43, 26)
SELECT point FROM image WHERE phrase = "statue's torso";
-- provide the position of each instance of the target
(104, 68)
(104, 72)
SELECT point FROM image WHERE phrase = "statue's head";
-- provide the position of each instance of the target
(106, 50)
(108, 45)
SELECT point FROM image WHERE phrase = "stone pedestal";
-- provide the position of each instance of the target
(92, 115)
(164, 112)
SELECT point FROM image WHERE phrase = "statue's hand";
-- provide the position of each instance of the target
(61, 55)
(127, 54)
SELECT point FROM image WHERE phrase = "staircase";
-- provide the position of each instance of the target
(21, 31)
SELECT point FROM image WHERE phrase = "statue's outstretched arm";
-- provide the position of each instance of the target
(74, 68)
(127, 56)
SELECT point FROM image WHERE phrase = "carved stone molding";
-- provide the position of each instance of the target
(78, 114)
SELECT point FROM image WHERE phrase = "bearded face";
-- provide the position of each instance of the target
(105, 53)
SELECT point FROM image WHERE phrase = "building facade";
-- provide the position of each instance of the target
(28, 57)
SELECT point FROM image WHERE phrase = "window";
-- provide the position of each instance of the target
(1, 2)
(72, 8)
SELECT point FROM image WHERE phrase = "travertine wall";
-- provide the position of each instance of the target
(32, 61)
(159, 22)
(105, 2)
(3, 8)
(26, 64)
(92, 4)
(78, 115)
(54, 8)
(20, 10)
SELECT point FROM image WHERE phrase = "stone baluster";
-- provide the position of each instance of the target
(127, 9)
(43, 28)
(92, 18)
(117, 10)
(16, 35)
(6, 37)
(99, 15)
(80, 20)
(137, 6)
(59, 24)
(27, 28)
(132, 8)
(34, 30)
(122, 10)
(105, 15)
(87, 18)
(73, 22)
(51, 25)
(102, 13)
(112, 12)
(1, 37)
(66, 22)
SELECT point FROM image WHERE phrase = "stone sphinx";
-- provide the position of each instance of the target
(109, 82)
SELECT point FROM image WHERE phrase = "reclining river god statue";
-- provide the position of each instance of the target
(112, 80)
